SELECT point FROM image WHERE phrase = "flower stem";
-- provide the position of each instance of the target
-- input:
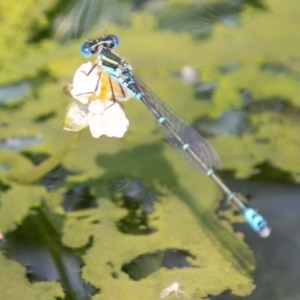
(49, 164)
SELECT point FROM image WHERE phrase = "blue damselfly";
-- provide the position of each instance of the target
(194, 148)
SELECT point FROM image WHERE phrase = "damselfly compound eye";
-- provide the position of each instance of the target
(85, 50)
(112, 41)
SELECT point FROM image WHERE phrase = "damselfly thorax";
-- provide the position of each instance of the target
(107, 88)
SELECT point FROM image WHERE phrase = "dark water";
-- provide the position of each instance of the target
(278, 262)
(14, 91)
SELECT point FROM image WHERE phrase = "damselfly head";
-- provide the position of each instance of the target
(91, 47)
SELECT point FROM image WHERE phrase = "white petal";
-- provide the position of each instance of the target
(99, 106)
(85, 83)
(111, 121)
(76, 117)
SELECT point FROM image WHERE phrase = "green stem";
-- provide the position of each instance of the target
(49, 164)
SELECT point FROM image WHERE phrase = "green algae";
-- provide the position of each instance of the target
(16, 204)
(184, 216)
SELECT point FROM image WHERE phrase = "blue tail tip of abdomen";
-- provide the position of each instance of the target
(256, 222)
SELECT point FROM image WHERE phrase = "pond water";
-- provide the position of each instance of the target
(277, 275)
(125, 218)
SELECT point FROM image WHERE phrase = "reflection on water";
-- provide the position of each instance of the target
(14, 91)
(198, 18)
(230, 122)
(278, 262)
(148, 263)
(18, 143)
(74, 18)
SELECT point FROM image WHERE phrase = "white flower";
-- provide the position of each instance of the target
(93, 91)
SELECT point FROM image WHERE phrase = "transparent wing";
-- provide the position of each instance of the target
(199, 153)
